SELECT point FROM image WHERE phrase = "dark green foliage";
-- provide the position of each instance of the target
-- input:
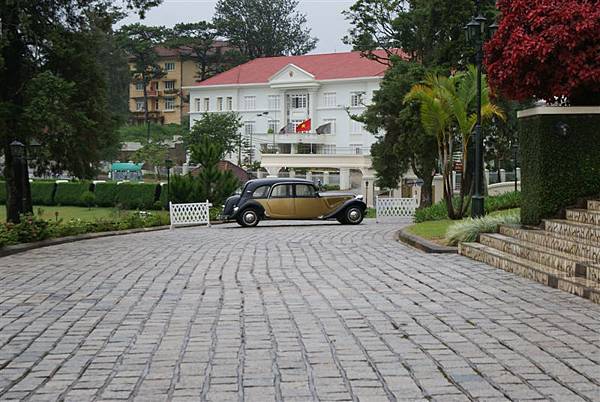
(42, 192)
(106, 194)
(136, 196)
(330, 187)
(184, 189)
(2, 192)
(70, 193)
(221, 128)
(438, 211)
(558, 170)
(88, 199)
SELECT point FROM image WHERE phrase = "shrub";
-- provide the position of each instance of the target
(438, 211)
(469, 229)
(106, 194)
(330, 187)
(42, 192)
(70, 193)
(136, 196)
(88, 199)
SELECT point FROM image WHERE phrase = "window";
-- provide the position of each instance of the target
(305, 191)
(139, 105)
(170, 103)
(298, 101)
(273, 126)
(295, 123)
(249, 128)
(229, 103)
(282, 191)
(139, 86)
(356, 127)
(169, 66)
(206, 104)
(329, 149)
(332, 127)
(156, 105)
(249, 102)
(356, 149)
(274, 102)
(219, 104)
(169, 85)
(261, 192)
(356, 99)
(329, 99)
(198, 105)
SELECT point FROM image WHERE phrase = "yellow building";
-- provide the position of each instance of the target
(167, 101)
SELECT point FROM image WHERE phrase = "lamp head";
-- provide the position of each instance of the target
(17, 149)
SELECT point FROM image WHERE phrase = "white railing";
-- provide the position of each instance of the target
(190, 214)
(394, 208)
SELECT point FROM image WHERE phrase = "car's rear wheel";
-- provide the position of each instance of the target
(354, 215)
(248, 218)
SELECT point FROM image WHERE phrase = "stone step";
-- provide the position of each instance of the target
(589, 271)
(574, 230)
(577, 247)
(531, 270)
(584, 216)
(593, 205)
(564, 262)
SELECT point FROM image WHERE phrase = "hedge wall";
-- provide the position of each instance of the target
(137, 196)
(70, 193)
(3, 192)
(558, 169)
(42, 192)
(106, 194)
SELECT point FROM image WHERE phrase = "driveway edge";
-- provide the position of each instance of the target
(424, 245)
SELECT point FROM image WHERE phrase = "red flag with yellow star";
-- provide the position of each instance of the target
(304, 127)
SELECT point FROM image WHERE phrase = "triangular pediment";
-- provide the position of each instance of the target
(291, 74)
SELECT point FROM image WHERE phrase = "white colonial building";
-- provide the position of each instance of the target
(274, 95)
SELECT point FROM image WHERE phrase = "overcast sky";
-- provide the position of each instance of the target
(324, 18)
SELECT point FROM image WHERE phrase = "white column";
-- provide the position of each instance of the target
(486, 175)
(292, 173)
(325, 177)
(308, 175)
(344, 178)
(438, 191)
(503, 175)
(368, 190)
(282, 110)
(312, 111)
(518, 174)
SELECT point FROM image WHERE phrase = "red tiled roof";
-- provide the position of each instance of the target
(322, 66)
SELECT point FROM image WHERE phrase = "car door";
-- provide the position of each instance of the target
(307, 203)
(280, 204)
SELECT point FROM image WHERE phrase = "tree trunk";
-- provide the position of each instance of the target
(427, 191)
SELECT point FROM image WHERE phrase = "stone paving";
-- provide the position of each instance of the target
(293, 312)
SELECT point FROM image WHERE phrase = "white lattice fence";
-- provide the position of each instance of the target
(190, 214)
(395, 208)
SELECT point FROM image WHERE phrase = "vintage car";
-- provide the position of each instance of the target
(291, 199)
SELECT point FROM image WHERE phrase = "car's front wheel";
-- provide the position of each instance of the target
(248, 218)
(353, 216)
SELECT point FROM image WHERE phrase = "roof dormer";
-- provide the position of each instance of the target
(292, 76)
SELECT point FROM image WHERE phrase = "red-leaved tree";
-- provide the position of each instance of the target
(545, 49)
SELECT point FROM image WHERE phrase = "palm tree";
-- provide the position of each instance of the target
(447, 109)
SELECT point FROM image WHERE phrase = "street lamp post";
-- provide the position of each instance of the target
(515, 149)
(476, 31)
(17, 151)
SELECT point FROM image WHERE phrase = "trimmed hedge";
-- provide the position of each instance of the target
(3, 192)
(70, 193)
(106, 194)
(137, 196)
(42, 192)
(558, 169)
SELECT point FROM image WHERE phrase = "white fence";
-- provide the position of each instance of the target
(395, 208)
(190, 214)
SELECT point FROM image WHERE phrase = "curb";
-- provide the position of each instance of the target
(20, 248)
(424, 245)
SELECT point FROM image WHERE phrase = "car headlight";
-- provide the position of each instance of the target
(235, 209)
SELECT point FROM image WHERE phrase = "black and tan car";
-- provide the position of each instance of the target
(291, 199)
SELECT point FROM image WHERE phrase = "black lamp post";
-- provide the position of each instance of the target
(17, 151)
(168, 165)
(476, 32)
(515, 149)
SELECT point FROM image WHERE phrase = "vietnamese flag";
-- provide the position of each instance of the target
(304, 127)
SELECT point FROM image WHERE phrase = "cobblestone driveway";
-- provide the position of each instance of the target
(300, 312)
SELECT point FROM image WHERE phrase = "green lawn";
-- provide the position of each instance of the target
(436, 230)
(67, 213)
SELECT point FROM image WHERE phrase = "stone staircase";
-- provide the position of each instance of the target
(564, 255)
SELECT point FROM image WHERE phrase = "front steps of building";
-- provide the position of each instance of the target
(564, 255)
